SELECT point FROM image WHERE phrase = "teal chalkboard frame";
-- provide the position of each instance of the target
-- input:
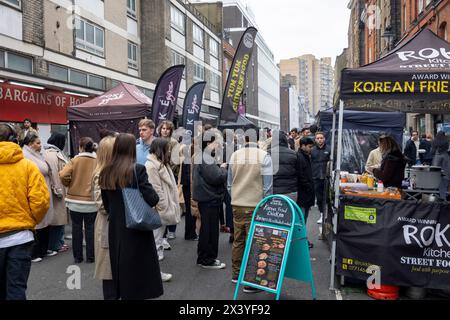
(296, 262)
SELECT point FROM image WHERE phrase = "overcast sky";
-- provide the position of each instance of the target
(295, 27)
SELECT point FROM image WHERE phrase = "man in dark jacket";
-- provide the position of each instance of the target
(320, 156)
(306, 195)
(285, 175)
(411, 148)
(209, 190)
(292, 136)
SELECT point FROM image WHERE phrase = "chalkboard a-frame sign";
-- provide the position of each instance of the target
(276, 247)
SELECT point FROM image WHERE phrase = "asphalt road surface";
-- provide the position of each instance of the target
(52, 279)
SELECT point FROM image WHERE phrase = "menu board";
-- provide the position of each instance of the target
(266, 256)
(276, 211)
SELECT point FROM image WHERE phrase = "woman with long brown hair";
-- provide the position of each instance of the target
(392, 169)
(165, 131)
(161, 177)
(134, 261)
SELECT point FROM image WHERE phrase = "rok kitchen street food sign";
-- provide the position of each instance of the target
(407, 242)
(276, 247)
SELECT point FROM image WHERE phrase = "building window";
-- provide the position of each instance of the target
(198, 35)
(420, 6)
(96, 82)
(90, 37)
(16, 62)
(131, 8)
(76, 77)
(199, 72)
(2, 59)
(177, 19)
(404, 17)
(133, 55)
(443, 31)
(176, 59)
(215, 80)
(214, 47)
(14, 3)
(149, 93)
(58, 73)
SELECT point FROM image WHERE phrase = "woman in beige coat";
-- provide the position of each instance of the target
(161, 177)
(57, 160)
(101, 244)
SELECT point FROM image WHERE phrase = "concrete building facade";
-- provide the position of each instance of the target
(262, 92)
(382, 27)
(175, 32)
(313, 78)
(85, 47)
(67, 51)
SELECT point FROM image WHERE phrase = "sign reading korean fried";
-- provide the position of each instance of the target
(418, 69)
(236, 77)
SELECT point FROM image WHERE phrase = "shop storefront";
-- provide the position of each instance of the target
(46, 108)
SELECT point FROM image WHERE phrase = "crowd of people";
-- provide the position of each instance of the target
(215, 190)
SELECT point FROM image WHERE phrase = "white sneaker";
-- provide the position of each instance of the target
(171, 235)
(51, 253)
(216, 265)
(37, 260)
(166, 276)
(320, 221)
(166, 244)
(68, 237)
(160, 255)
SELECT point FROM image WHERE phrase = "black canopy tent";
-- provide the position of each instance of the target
(361, 133)
(241, 123)
(412, 78)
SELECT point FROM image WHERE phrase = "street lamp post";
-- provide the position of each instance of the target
(389, 35)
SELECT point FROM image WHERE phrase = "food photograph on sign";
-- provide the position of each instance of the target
(266, 257)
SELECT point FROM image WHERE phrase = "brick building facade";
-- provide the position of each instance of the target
(418, 14)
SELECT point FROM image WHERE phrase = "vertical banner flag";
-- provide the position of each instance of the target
(236, 77)
(166, 94)
(192, 106)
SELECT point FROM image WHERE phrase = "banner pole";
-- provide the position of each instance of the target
(337, 193)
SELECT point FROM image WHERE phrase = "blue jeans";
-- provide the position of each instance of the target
(56, 238)
(15, 265)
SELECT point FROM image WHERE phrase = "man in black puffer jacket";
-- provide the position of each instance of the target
(306, 195)
(285, 175)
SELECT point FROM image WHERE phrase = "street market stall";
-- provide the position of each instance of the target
(119, 110)
(360, 133)
(405, 240)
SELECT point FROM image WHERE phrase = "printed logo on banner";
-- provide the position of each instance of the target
(367, 215)
(248, 40)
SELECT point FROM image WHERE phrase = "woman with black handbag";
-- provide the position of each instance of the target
(134, 261)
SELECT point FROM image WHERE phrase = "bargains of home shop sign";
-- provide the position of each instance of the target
(42, 106)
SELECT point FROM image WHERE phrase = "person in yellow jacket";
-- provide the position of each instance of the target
(24, 201)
